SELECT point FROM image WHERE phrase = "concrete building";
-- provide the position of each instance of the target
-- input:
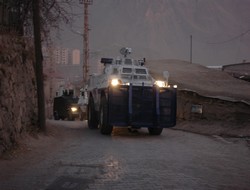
(61, 56)
(64, 56)
(76, 55)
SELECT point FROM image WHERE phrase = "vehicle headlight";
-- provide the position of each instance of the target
(160, 83)
(73, 109)
(115, 82)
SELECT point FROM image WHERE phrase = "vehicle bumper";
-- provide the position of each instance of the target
(142, 106)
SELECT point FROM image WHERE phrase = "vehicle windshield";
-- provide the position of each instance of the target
(115, 71)
(127, 70)
(140, 71)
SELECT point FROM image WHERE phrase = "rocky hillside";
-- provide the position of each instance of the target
(162, 28)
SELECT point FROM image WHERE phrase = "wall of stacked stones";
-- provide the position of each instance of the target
(192, 106)
(18, 104)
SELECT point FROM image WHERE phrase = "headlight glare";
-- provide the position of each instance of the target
(115, 82)
(73, 109)
(160, 83)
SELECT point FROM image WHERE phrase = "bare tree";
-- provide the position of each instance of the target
(17, 14)
(52, 14)
(46, 14)
(40, 16)
(39, 64)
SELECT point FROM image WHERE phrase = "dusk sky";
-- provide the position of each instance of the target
(161, 29)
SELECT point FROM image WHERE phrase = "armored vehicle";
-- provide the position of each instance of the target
(65, 106)
(126, 95)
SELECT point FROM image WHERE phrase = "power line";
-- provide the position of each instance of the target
(231, 39)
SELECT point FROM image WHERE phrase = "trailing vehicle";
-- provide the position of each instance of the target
(65, 106)
(126, 95)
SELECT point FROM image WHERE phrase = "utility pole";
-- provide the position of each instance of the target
(38, 64)
(86, 3)
(191, 49)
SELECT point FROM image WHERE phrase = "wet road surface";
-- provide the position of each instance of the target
(76, 158)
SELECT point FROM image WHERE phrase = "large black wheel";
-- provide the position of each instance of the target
(71, 118)
(92, 115)
(155, 131)
(81, 115)
(105, 128)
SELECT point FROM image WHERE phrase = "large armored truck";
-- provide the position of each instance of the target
(126, 95)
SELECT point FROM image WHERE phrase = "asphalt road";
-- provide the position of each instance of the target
(74, 157)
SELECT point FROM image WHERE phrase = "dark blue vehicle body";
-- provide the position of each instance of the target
(141, 106)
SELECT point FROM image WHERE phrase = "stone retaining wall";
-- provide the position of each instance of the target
(191, 106)
(18, 103)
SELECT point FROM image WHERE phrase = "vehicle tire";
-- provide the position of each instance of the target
(56, 116)
(155, 131)
(92, 115)
(71, 118)
(81, 115)
(105, 128)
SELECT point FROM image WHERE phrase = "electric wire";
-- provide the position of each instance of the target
(231, 39)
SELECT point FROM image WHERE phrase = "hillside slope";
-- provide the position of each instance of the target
(205, 81)
(227, 113)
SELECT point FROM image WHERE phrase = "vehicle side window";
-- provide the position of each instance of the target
(128, 61)
(118, 62)
(115, 71)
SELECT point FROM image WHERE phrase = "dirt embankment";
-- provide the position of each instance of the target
(209, 101)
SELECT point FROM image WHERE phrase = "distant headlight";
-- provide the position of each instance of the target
(115, 82)
(73, 109)
(175, 86)
(160, 83)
